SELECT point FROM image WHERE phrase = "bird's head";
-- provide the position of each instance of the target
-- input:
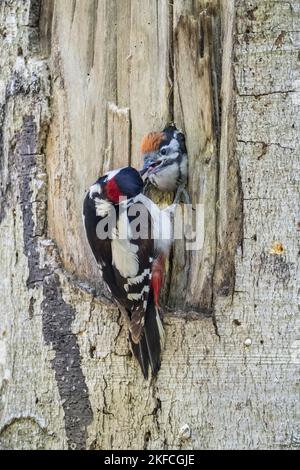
(119, 184)
(161, 150)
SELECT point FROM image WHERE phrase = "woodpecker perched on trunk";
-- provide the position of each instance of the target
(166, 161)
(130, 238)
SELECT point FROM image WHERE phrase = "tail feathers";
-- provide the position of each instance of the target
(149, 348)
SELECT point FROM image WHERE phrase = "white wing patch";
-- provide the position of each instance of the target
(102, 206)
(160, 329)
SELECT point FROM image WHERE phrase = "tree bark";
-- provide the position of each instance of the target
(80, 83)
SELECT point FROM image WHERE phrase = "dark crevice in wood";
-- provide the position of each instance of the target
(26, 421)
(34, 14)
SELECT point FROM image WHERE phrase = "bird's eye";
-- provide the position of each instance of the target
(163, 151)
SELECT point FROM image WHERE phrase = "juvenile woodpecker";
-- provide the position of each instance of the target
(166, 161)
(130, 238)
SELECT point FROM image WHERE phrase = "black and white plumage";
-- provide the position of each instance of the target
(165, 159)
(128, 263)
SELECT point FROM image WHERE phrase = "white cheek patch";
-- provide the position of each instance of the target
(102, 206)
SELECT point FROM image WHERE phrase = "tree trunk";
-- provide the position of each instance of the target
(81, 81)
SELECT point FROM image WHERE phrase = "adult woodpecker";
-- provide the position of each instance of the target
(166, 161)
(131, 261)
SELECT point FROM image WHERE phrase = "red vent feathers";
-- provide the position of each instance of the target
(151, 142)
